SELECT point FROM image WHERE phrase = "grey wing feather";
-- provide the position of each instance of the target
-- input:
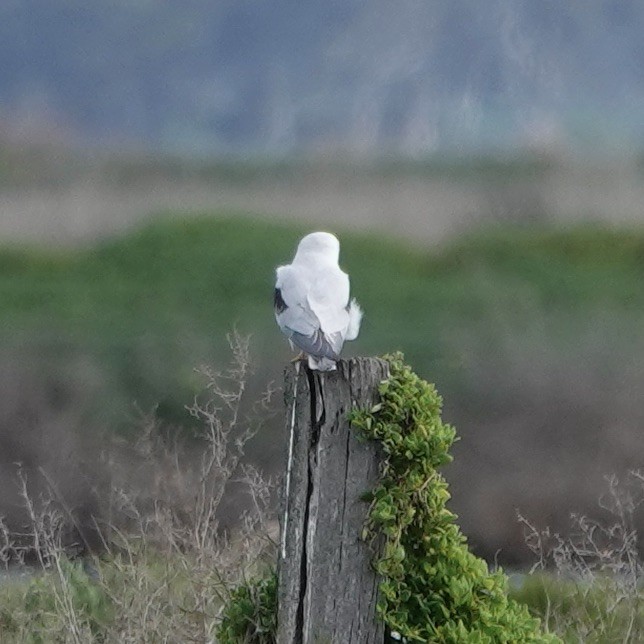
(291, 312)
(318, 344)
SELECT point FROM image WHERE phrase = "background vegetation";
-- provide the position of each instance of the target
(529, 322)
(533, 335)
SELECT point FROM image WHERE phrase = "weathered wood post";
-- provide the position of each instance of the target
(327, 589)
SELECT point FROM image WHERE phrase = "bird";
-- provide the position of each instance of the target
(312, 305)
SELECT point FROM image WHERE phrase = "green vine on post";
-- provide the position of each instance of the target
(432, 589)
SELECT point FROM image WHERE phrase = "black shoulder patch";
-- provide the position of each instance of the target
(278, 301)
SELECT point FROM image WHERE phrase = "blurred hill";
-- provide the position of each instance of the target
(242, 76)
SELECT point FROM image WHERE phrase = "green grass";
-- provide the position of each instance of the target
(147, 598)
(33, 610)
(151, 305)
(597, 613)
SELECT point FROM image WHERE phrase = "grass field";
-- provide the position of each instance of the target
(176, 284)
(533, 336)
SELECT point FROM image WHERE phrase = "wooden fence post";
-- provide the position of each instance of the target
(327, 589)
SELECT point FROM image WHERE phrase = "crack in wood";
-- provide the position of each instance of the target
(344, 496)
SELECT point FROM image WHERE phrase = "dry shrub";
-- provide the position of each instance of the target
(590, 589)
(166, 565)
(49, 435)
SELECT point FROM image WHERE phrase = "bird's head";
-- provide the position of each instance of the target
(321, 245)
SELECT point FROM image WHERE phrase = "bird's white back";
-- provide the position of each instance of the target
(313, 309)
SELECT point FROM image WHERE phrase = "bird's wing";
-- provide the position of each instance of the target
(292, 311)
(310, 308)
(328, 299)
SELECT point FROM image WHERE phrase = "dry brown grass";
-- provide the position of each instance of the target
(97, 198)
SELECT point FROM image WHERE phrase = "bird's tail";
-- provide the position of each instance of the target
(355, 317)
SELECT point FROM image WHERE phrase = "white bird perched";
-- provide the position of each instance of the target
(312, 306)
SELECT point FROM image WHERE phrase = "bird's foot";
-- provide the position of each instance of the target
(300, 356)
